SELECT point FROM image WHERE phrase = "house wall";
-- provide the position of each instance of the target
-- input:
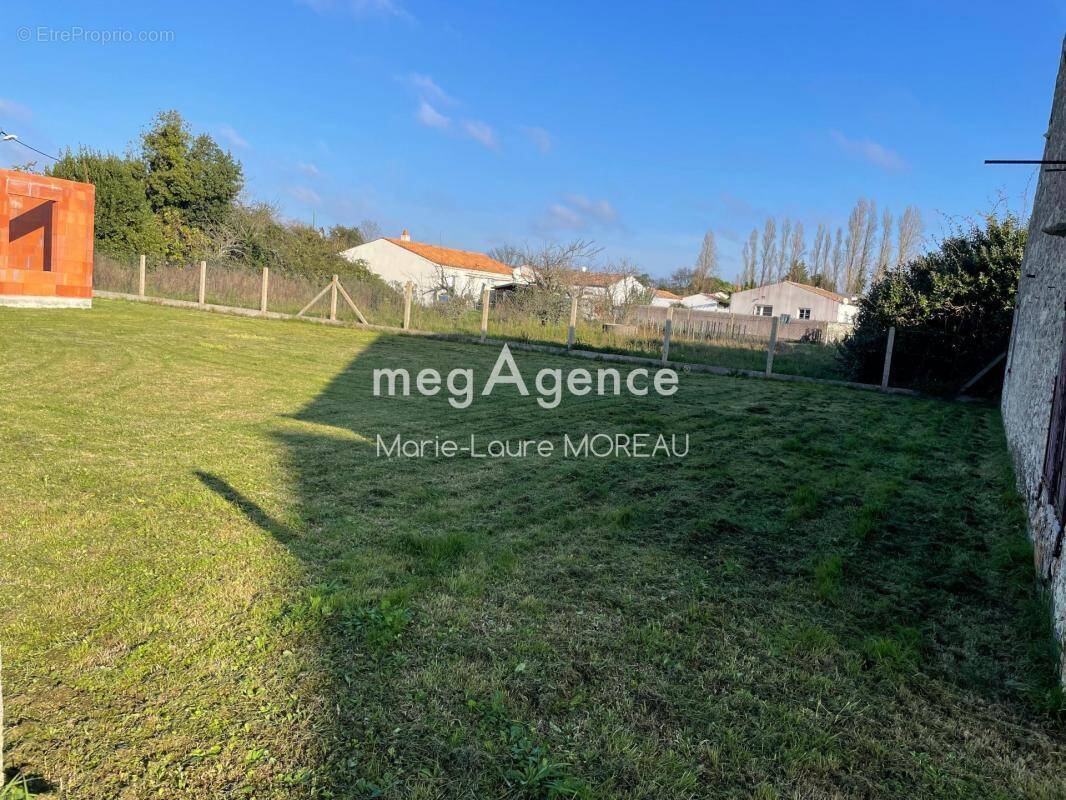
(46, 241)
(395, 265)
(788, 299)
(1033, 358)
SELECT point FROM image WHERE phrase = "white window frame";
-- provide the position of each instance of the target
(763, 311)
(804, 313)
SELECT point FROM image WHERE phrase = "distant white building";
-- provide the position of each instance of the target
(619, 288)
(436, 272)
(661, 298)
(704, 301)
(792, 301)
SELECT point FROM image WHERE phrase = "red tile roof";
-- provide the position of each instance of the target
(665, 295)
(599, 279)
(460, 259)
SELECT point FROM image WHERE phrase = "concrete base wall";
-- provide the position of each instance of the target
(26, 301)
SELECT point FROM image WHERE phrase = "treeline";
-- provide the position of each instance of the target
(177, 198)
(846, 261)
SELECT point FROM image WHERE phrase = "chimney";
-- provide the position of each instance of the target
(405, 236)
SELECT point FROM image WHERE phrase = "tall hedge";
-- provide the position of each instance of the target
(952, 309)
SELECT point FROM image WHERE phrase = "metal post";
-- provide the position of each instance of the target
(140, 278)
(571, 332)
(203, 282)
(333, 299)
(485, 313)
(772, 347)
(888, 356)
(264, 290)
(408, 291)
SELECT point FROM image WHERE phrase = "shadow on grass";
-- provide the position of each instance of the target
(830, 514)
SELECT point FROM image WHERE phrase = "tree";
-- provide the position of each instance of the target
(707, 261)
(124, 222)
(909, 237)
(705, 271)
(191, 184)
(768, 253)
(345, 237)
(369, 230)
(837, 266)
(797, 254)
(749, 257)
(884, 253)
(952, 309)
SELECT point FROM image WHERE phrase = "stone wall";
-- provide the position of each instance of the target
(1035, 352)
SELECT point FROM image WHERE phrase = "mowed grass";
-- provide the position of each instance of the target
(212, 587)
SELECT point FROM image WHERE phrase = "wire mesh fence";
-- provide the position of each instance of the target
(807, 348)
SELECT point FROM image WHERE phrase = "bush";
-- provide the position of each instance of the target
(952, 309)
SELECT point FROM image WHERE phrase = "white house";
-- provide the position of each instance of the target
(794, 301)
(619, 288)
(703, 301)
(661, 298)
(435, 271)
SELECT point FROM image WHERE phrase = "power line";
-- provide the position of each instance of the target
(10, 137)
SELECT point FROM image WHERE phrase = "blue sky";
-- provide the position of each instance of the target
(636, 125)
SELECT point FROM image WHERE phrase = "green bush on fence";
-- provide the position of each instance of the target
(952, 309)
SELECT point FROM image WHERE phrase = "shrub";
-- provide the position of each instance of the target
(952, 309)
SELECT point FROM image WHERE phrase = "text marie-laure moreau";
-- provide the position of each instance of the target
(586, 445)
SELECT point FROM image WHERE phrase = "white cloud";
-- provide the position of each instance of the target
(578, 212)
(871, 151)
(308, 169)
(480, 132)
(432, 118)
(228, 133)
(428, 89)
(540, 138)
(306, 195)
(360, 8)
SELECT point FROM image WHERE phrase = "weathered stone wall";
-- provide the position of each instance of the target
(1035, 351)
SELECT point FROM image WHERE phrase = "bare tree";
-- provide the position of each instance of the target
(750, 256)
(909, 237)
(884, 253)
(369, 230)
(866, 247)
(509, 254)
(782, 249)
(707, 261)
(769, 251)
(797, 252)
(838, 260)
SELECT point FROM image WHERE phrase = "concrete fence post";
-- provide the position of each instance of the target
(203, 282)
(772, 346)
(263, 291)
(333, 299)
(571, 332)
(140, 277)
(668, 329)
(408, 291)
(485, 294)
(888, 356)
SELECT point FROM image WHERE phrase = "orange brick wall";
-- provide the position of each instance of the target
(46, 236)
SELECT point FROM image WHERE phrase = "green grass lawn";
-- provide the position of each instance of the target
(212, 587)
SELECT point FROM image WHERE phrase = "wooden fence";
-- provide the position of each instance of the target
(692, 324)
